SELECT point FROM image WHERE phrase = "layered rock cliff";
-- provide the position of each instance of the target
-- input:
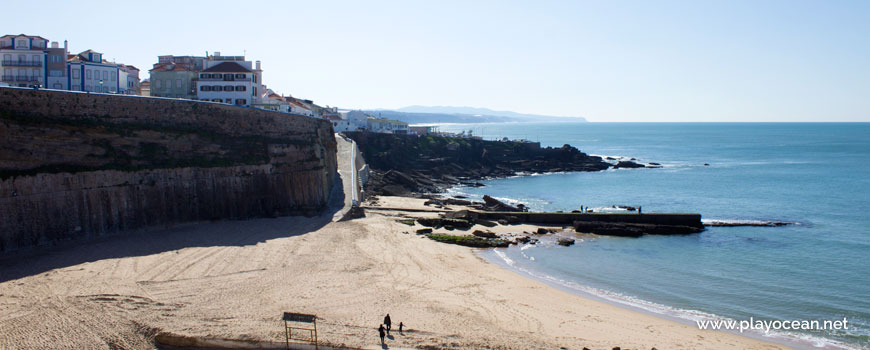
(75, 165)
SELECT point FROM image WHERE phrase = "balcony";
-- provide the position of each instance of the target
(23, 78)
(224, 79)
(14, 63)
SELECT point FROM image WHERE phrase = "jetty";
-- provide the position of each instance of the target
(611, 224)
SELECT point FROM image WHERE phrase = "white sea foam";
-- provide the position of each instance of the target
(688, 316)
(714, 222)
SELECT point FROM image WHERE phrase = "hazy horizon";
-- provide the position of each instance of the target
(789, 61)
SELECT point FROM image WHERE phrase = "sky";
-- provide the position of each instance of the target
(607, 61)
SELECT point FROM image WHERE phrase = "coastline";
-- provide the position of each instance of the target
(685, 317)
(232, 280)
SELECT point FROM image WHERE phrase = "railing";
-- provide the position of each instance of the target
(21, 78)
(22, 63)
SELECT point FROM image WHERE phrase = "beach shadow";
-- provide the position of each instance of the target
(384, 346)
(155, 240)
(390, 337)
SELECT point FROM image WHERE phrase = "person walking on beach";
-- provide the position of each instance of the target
(388, 323)
(381, 332)
(400, 326)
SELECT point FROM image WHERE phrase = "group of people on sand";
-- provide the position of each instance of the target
(384, 331)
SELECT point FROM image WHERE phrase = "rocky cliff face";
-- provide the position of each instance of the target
(404, 164)
(79, 165)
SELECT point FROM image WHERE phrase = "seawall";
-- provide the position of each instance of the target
(76, 165)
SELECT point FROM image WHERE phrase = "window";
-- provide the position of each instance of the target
(105, 75)
(217, 100)
(216, 76)
(22, 58)
(229, 100)
(55, 73)
(7, 57)
(202, 76)
(88, 74)
(37, 59)
(255, 91)
(20, 43)
(216, 88)
(178, 83)
(240, 76)
(228, 88)
(254, 77)
(157, 84)
(241, 101)
(76, 74)
(240, 88)
(203, 88)
(114, 76)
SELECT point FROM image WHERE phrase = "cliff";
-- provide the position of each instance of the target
(403, 164)
(75, 165)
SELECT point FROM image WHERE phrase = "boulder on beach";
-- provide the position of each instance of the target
(565, 241)
(493, 204)
(484, 234)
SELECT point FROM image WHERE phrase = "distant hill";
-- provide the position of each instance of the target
(446, 114)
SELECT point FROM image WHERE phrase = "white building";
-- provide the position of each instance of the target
(23, 60)
(226, 82)
(88, 71)
(231, 79)
(387, 126)
(128, 79)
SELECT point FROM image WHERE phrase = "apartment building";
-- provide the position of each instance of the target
(23, 60)
(89, 72)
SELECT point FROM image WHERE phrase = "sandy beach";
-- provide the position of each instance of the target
(233, 280)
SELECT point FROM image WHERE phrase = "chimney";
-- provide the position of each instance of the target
(258, 65)
(54, 45)
(65, 45)
(217, 53)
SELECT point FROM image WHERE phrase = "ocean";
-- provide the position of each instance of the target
(814, 175)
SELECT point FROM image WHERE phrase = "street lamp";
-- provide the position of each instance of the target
(101, 85)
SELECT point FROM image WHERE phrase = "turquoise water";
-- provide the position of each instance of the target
(816, 175)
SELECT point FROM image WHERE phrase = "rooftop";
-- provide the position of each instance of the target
(228, 67)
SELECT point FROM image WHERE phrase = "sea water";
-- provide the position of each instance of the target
(816, 176)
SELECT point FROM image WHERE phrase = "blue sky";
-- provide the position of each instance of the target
(730, 60)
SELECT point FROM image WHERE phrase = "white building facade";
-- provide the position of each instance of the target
(23, 60)
(226, 82)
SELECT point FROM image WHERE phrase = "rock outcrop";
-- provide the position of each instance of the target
(409, 164)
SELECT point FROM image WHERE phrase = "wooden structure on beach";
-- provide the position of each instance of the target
(292, 322)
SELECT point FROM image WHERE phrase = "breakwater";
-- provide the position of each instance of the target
(610, 224)
(76, 165)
